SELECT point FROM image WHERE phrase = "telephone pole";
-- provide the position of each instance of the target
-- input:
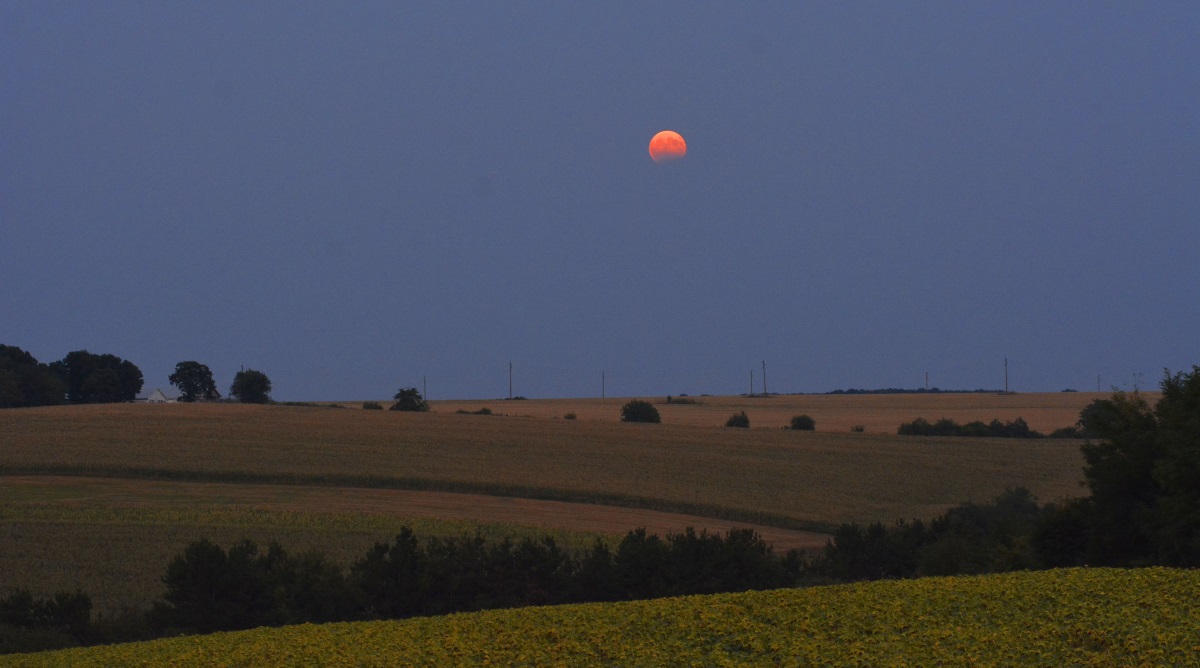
(603, 381)
(752, 382)
(510, 380)
(764, 378)
(1006, 375)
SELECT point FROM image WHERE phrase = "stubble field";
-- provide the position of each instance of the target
(357, 475)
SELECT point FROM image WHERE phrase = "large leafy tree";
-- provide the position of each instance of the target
(409, 399)
(195, 382)
(1143, 470)
(94, 379)
(251, 387)
(26, 382)
(1177, 471)
(1119, 470)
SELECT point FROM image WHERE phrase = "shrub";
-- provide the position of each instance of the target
(858, 429)
(570, 416)
(803, 423)
(372, 406)
(738, 420)
(482, 411)
(637, 410)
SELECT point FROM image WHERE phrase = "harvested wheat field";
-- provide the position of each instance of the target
(125, 486)
(801, 480)
(401, 505)
(877, 413)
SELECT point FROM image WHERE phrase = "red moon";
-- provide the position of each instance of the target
(667, 146)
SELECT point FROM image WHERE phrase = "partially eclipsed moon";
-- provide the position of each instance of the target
(666, 146)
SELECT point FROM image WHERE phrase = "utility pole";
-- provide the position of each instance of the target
(926, 381)
(752, 382)
(510, 380)
(424, 389)
(603, 381)
(1006, 375)
(764, 378)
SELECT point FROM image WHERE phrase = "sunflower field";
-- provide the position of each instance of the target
(1076, 617)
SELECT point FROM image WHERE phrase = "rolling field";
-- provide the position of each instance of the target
(877, 413)
(121, 488)
(784, 478)
(1078, 617)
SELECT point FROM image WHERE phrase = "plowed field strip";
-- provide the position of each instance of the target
(398, 503)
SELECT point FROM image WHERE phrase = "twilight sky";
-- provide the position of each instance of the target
(350, 197)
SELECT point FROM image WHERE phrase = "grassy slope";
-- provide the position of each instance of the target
(1050, 618)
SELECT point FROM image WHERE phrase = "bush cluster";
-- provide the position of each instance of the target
(482, 411)
(803, 423)
(740, 420)
(968, 539)
(31, 624)
(638, 410)
(1017, 428)
(209, 589)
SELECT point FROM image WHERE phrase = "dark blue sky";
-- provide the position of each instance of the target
(351, 196)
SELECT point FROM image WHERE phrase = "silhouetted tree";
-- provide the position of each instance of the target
(251, 387)
(26, 382)
(98, 379)
(637, 410)
(409, 399)
(195, 382)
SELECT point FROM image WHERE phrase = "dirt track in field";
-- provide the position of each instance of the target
(399, 503)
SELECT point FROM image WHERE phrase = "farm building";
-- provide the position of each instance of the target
(159, 397)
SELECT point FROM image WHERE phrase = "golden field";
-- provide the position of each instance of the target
(877, 413)
(770, 476)
(99, 497)
(1077, 617)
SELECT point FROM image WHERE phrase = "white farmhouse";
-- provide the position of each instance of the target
(158, 397)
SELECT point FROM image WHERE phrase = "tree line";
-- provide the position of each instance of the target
(1017, 428)
(1141, 467)
(210, 589)
(82, 377)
